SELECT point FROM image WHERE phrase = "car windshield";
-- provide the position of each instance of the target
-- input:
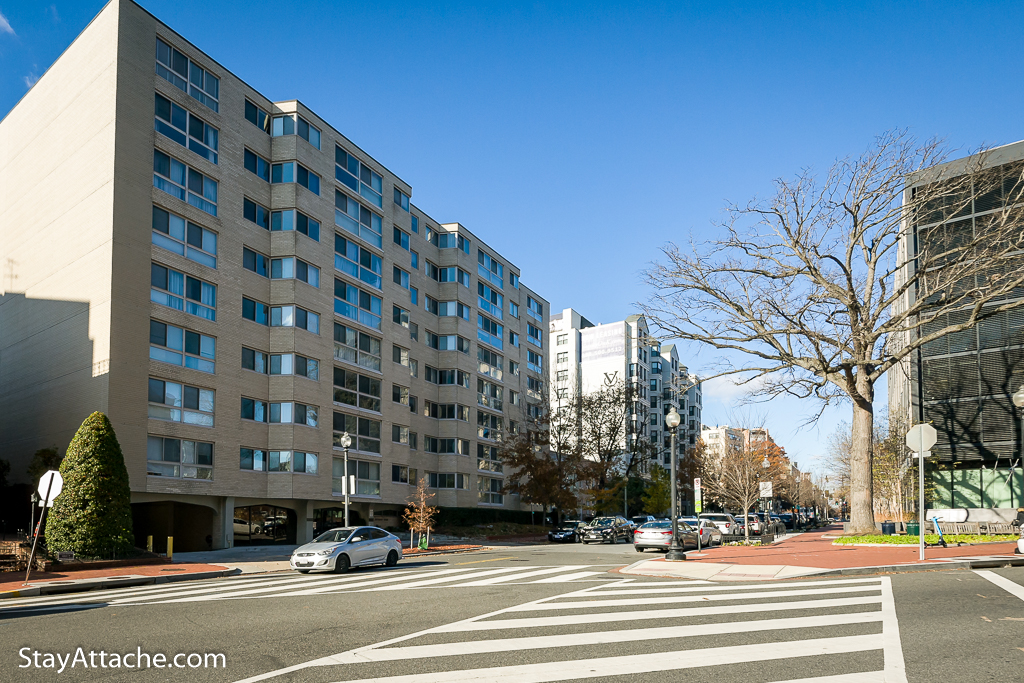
(603, 521)
(334, 535)
(715, 517)
(657, 525)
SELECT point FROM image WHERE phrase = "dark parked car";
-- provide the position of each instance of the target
(567, 532)
(608, 530)
(788, 519)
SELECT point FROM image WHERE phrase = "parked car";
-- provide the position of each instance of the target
(658, 535)
(788, 519)
(710, 534)
(752, 521)
(640, 520)
(339, 549)
(607, 529)
(725, 522)
(566, 532)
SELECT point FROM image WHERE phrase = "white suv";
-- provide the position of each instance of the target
(725, 522)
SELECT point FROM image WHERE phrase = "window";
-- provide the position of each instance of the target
(562, 340)
(399, 434)
(186, 75)
(447, 480)
(256, 165)
(513, 338)
(654, 419)
(656, 366)
(446, 377)
(178, 346)
(182, 292)
(562, 376)
(252, 459)
(354, 389)
(513, 309)
(514, 398)
(490, 491)
(534, 361)
(359, 348)
(180, 403)
(399, 394)
(400, 355)
(490, 301)
(513, 368)
(534, 387)
(415, 224)
(535, 308)
(447, 274)
(401, 237)
(534, 411)
(293, 172)
(255, 115)
(259, 215)
(254, 409)
(187, 184)
(489, 331)
(487, 458)
(513, 280)
(358, 177)
(489, 268)
(489, 395)
(359, 262)
(294, 413)
(489, 363)
(255, 261)
(294, 316)
(294, 364)
(447, 240)
(488, 426)
(255, 311)
(167, 457)
(291, 268)
(185, 128)
(450, 342)
(402, 199)
(447, 308)
(446, 446)
(562, 357)
(400, 277)
(357, 219)
(356, 304)
(297, 221)
(254, 360)
(365, 474)
(293, 124)
(400, 474)
(365, 432)
(445, 411)
(194, 242)
(293, 461)
(534, 335)
(414, 260)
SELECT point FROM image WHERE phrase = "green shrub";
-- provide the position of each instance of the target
(92, 516)
(928, 538)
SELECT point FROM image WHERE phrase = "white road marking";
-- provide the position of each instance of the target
(708, 586)
(565, 578)
(523, 575)
(430, 582)
(895, 668)
(1010, 587)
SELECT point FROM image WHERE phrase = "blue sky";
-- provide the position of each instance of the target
(577, 138)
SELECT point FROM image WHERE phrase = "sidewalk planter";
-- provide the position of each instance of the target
(767, 539)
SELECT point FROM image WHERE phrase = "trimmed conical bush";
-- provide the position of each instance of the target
(92, 516)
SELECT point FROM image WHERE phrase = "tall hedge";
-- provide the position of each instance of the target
(92, 516)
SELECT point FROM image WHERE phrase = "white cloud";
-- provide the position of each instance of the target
(30, 80)
(5, 26)
(725, 389)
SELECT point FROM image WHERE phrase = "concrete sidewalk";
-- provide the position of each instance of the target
(813, 554)
(47, 583)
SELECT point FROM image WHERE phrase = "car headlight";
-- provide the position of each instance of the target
(329, 551)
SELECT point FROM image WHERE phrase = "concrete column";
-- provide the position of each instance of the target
(227, 525)
(304, 522)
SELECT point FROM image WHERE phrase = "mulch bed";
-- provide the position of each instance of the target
(439, 548)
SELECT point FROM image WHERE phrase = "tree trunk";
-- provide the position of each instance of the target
(862, 515)
(746, 525)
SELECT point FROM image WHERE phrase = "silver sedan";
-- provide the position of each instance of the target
(710, 535)
(339, 549)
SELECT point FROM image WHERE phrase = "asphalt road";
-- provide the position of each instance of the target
(539, 613)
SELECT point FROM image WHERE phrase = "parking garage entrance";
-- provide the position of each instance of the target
(264, 525)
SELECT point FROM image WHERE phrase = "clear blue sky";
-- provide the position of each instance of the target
(577, 138)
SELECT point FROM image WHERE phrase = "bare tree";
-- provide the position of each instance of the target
(419, 515)
(734, 477)
(820, 287)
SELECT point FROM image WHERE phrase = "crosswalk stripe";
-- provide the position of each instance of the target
(692, 598)
(277, 583)
(452, 575)
(475, 647)
(430, 582)
(524, 575)
(95, 595)
(548, 672)
(1010, 587)
(564, 578)
(603, 617)
(627, 589)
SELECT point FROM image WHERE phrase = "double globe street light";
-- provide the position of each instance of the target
(672, 421)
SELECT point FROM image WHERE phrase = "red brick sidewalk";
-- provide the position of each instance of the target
(13, 580)
(811, 550)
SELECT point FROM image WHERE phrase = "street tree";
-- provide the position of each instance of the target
(820, 290)
(43, 460)
(657, 496)
(419, 514)
(734, 478)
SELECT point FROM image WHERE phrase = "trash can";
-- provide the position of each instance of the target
(913, 528)
(888, 528)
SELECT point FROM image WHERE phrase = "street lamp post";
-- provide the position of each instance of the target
(674, 552)
(1018, 400)
(346, 441)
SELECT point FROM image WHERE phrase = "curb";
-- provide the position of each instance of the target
(110, 582)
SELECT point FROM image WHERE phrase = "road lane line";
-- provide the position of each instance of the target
(640, 615)
(631, 665)
(1010, 587)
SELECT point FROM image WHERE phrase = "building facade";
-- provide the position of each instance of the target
(237, 284)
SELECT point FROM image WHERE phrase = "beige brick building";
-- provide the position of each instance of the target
(236, 284)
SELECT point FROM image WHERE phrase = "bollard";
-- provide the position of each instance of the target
(149, 543)
(170, 547)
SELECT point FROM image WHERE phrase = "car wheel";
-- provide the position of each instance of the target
(392, 559)
(639, 549)
(302, 571)
(342, 564)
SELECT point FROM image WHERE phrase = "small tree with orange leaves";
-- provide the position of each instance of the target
(419, 515)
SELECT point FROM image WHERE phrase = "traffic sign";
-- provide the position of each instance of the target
(698, 501)
(921, 437)
(766, 489)
(50, 486)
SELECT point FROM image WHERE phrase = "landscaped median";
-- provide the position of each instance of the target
(930, 539)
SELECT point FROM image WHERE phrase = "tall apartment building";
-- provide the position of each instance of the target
(962, 383)
(294, 294)
(672, 386)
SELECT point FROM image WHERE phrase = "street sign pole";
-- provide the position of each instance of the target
(920, 439)
(52, 477)
(920, 506)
